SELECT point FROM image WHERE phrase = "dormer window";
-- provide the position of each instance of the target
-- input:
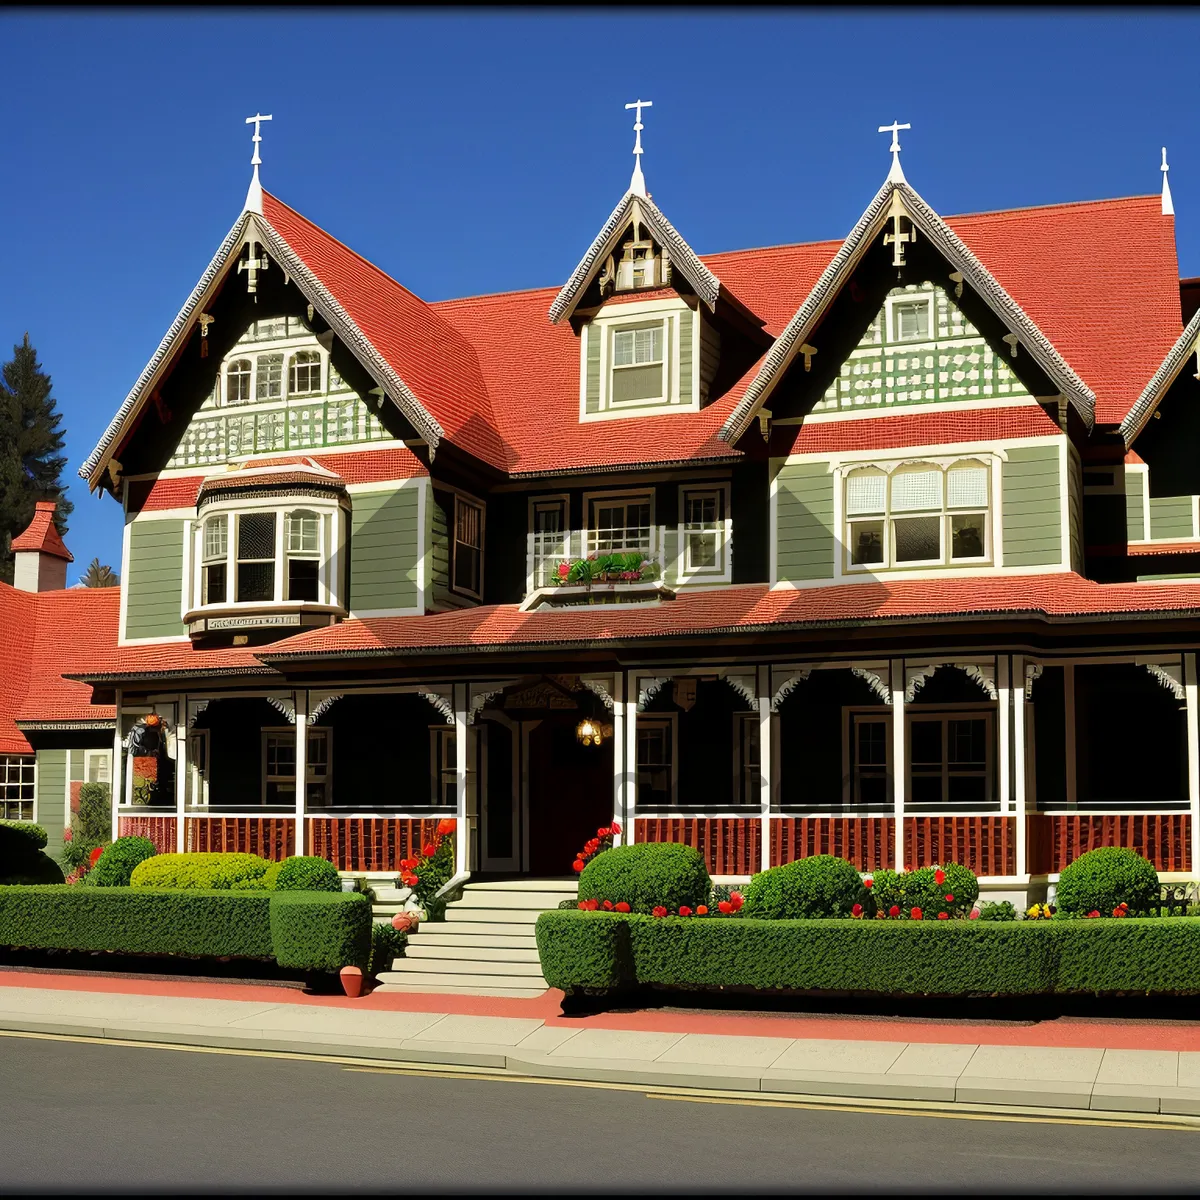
(304, 375)
(637, 358)
(237, 381)
(270, 377)
(910, 318)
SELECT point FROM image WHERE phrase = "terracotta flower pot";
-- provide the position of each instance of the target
(402, 922)
(352, 981)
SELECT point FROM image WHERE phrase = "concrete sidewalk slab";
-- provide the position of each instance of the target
(714, 1050)
(619, 1044)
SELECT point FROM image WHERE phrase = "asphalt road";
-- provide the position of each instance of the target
(77, 1116)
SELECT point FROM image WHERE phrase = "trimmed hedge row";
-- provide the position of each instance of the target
(600, 951)
(315, 931)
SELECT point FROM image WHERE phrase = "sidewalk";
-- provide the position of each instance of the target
(1076, 1065)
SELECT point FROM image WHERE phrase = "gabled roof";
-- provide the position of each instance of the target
(955, 252)
(41, 534)
(1168, 371)
(683, 257)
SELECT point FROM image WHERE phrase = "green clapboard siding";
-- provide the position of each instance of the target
(1134, 505)
(686, 391)
(385, 547)
(1032, 507)
(1170, 518)
(154, 577)
(592, 395)
(51, 792)
(439, 544)
(805, 541)
(1075, 511)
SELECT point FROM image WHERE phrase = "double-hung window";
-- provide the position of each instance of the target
(97, 766)
(747, 762)
(949, 761)
(655, 760)
(919, 514)
(704, 525)
(549, 539)
(303, 555)
(443, 753)
(270, 377)
(619, 523)
(468, 547)
(16, 787)
(215, 561)
(256, 557)
(237, 381)
(279, 768)
(637, 364)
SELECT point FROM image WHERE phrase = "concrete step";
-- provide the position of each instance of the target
(452, 966)
(526, 918)
(568, 887)
(460, 926)
(538, 901)
(454, 985)
(452, 935)
(418, 950)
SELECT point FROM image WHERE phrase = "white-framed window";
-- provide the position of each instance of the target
(197, 762)
(443, 766)
(704, 530)
(97, 766)
(304, 373)
(747, 760)
(918, 514)
(255, 557)
(238, 377)
(910, 318)
(657, 751)
(638, 359)
(869, 735)
(279, 768)
(621, 523)
(269, 374)
(549, 539)
(303, 555)
(949, 760)
(16, 787)
(215, 561)
(467, 549)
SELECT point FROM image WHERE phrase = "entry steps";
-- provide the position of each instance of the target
(485, 946)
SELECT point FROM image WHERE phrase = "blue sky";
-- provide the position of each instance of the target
(468, 152)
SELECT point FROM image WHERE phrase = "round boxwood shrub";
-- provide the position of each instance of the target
(116, 864)
(1100, 880)
(213, 871)
(21, 858)
(307, 873)
(646, 875)
(820, 886)
(18, 838)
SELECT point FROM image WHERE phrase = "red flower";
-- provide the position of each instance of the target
(943, 916)
(608, 905)
(603, 831)
(735, 898)
(724, 906)
(916, 914)
(894, 911)
(615, 827)
(684, 911)
(974, 914)
(949, 898)
(582, 906)
(856, 911)
(409, 879)
(446, 826)
(95, 855)
(939, 876)
(622, 907)
(591, 847)
(702, 910)
(564, 569)
(428, 850)
(868, 882)
(1093, 913)
(578, 864)
(659, 911)
(68, 834)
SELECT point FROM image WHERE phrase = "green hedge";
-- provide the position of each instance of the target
(321, 931)
(647, 874)
(597, 951)
(117, 862)
(207, 871)
(316, 931)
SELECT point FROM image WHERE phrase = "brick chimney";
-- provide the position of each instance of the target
(41, 558)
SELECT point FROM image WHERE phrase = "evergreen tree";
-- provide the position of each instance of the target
(31, 441)
(98, 576)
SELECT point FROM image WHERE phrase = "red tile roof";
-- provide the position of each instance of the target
(41, 534)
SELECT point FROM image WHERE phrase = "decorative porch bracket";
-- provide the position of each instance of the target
(287, 707)
(869, 675)
(1169, 674)
(984, 674)
(441, 704)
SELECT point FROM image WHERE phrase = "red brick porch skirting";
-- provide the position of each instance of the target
(368, 843)
(988, 845)
(1056, 839)
(160, 830)
(270, 837)
(868, 842)
(731, 846)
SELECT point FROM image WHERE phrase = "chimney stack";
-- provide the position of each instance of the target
(41, 558)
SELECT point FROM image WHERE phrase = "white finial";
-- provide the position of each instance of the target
(637, 184)
(1168, 204)
(896, 174)
(254, 194)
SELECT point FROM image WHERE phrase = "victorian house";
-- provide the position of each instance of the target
(887, 548)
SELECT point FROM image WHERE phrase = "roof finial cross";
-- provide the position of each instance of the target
(254, 195)
(1168, 204)
(896, 174)
(637, 184)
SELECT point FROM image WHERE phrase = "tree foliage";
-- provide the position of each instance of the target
(100, 576)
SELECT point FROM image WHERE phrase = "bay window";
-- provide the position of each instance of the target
(303, 555)
(215, 568)
(656, 738)
(256, 557)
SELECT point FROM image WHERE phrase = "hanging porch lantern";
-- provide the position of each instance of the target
(589, 732)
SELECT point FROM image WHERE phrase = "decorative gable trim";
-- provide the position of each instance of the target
(251, 226)
(1168, 371)
(683, 257)
(961, 258)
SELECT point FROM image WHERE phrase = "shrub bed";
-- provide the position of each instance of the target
(599, 951)
(319, 931)
(647, 875)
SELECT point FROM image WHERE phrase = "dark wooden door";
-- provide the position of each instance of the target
(570, 794)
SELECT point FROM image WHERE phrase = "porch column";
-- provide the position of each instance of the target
(619, 756)
(118, 769)
(632, 691)
(1020, 717)
(899, 755)
(765, 762)
(1004, 732)
(460, 778)
(181, 768)
(301, 699)
(1191, 699)
(1069, 752)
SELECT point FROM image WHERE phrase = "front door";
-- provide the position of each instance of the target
(570, 794)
